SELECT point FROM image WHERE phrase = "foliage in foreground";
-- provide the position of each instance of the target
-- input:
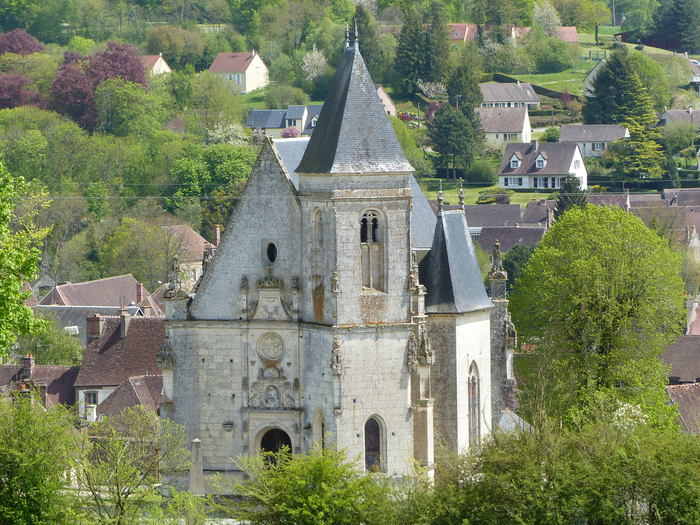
(613, 470)
(321, 487)
(599, 301)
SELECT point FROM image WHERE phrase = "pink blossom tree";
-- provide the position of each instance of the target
(289, 133)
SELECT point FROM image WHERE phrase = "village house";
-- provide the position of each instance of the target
(502, 125)
(541, 165)
(273, 121)
(462, 33)
(118, 348)
(539, 213)
(53, 384)
(678, 116)
(245, 72)
(155, 64)
(316, 326)
(593, 140)
(509, 95)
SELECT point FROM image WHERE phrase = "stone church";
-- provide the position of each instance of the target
(338, 311)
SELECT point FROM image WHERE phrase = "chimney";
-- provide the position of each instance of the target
(217, 235)
(125, 318)
(139, 293)
(252, 54)
(534, 144)
(27, 366)
(543, 202)
(95, 324)
(160, 54)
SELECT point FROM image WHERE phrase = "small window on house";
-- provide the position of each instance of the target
(536, 182)
(514, 163)
(456, 34)
(597, 146)
(577, 164)
(554, 180)
(313, 122)
(545, 181)
(230, 77)
(505, 181)
(90, 398)
(496, 135)
(520, 181)
(540, 163)
(239, 78)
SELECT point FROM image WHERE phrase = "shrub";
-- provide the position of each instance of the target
(494, 195)
(550, 135)
(482, 171)
(281, 96)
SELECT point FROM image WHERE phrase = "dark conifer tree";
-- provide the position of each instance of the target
(465, 77)
(437, 46)
(409, 53)
(570, 196)
(369, 42)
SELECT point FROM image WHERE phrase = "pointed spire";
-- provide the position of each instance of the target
(440, 199)
(356, 45)
(461, 195)
(347, 36)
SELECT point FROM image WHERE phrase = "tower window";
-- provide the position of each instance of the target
(373, 445)
(271, 252)
(372, 251)
(474, 406)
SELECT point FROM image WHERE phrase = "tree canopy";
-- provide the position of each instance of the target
(600, 299)
(18, 264)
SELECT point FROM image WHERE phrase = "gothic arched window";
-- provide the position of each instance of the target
(320, 429)
(372, 249)
(474, 406)
(317, 263)
(373, 444)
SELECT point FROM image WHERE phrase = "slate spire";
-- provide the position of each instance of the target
(353, 133)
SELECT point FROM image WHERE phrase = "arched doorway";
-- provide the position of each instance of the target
(274, 439)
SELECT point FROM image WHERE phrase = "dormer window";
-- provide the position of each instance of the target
(313, 122)
(540, 163)
(514, 163)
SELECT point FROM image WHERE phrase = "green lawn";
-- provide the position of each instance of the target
(430, 188)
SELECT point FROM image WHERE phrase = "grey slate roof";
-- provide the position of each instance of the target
(481, 215)
(502, 120)
(511, 92)
(592, 132)
(588, 81)
(354, 111)
(510, 236)
(674, 116)
(295, 112)
(536, 211)
(266, 118)
(559, 156)
(77, 315)
(684, 358)
(422, 217)
(450, 272)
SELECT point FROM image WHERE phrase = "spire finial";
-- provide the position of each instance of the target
(347, 35)
(357, 38)
(440, 199)
(461, 195)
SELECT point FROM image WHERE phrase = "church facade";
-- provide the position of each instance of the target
(336, 312)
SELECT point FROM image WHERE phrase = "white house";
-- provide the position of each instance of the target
(156, 64)
(541, 166)
(502, 125)
(510, 95)
(245, 71)
(593, 140)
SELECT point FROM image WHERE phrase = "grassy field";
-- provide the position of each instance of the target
(431, 186)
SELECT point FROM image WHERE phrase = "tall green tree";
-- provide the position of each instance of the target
(437, 46)
(640, 154)
(570, 196)
(514, 261)
(455, 136)
(18, 264)
(369, 42)
(36, 453)
(409, 53)
(608, 86)
(600, 299)
(465, 76)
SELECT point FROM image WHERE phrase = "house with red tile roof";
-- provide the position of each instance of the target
(53, 383)
(193, 247)
(245, 72)
(145, 391)
(155, 64)
(118, 348)
(102, 292)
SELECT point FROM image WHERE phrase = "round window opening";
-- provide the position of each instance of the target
(271, 252)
